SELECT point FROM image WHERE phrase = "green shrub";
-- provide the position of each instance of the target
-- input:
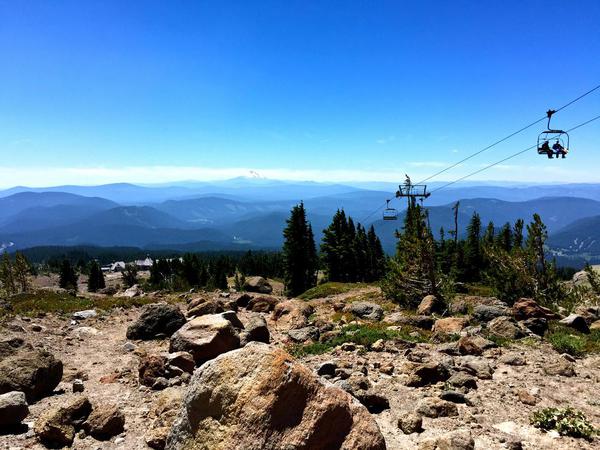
(566, 340)
(567, 421)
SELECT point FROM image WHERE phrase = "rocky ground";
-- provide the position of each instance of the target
(430, 392)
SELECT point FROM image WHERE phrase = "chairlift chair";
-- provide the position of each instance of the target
(389, 213)
(548, 138)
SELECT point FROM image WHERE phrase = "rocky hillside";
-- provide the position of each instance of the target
(346, 370)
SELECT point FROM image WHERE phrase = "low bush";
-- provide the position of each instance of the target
(566, 340)
(567, 421)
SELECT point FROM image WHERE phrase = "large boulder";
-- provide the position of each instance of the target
(292, 314)
(398, 318)
(256, 329)
(366, 310)
(163, 414)
(505, 327)
(201, 306)
(32, 371)
(526, 308)
(56, 427)
(13, 408)
(485, 313)
(429, 305)
(450, 325)
(428, 373)
(576, 322)
(262, 304)
(156, 320)
(258, 284)
(104, 422)
(259, 397)
(205, 337)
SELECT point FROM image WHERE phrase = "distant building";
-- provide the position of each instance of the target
(144, 264)
(118, 266)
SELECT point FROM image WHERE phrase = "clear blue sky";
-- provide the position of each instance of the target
(100, 91)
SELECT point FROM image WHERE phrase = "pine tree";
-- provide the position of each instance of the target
(96, 277)
(332, 247)
(130, 275)
(299, 253)
(489, 236)
(518, 234)
(504, 240)
(67, 276)
(377, 262)
(473, 255)
(413, 271)
(7, 276)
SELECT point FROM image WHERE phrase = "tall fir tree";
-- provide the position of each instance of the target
(473, 254)
(376, 255)
(518, 234)
(67, 276)
(22, 270)
(299, 253)
(7, 275)
(96, 277)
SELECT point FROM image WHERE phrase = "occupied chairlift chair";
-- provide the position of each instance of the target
(549, 138)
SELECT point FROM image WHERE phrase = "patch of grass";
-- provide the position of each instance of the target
(499, 340)
(567, 421)
(46, 301)
(480, 290)
(330, 288)
(566, 340)
(360, 334)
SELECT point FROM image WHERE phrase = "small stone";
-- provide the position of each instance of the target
(78, 386)
(378, 345)
(348, 347)
(328, 368)
(129, 346)
(435, 407)
(13, 408)
(410, 423)
(454, 397)
(86, 314)
(104, 422)
(526, 398)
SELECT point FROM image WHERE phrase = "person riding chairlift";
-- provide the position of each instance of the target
(559, 149)
(545, 148)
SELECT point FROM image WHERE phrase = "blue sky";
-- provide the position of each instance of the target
(148, 91)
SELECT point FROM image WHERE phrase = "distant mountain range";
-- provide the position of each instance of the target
(251, 213)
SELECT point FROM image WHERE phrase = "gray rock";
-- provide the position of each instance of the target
(13, 408)
(576, 322)
(258, 284)
(398, 318)
(429, 373)
(78, 385)
(256, 329)
(429, 305)
(462, 380)
(485, 313)
(479, 367)
(156, 320)
(309, 333)
(537, 325)
(86, 314)
(366, 310)
(327, 369)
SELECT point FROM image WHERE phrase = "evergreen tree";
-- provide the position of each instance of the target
(413, 271)
(7, 276)
(96, 277)
(130, 275)
(376, 255)
(518, 234)
(473, 255)
(22, 270)
(489, 236)
(67, 276)
(504, 240)
(299, 253)
(332, 247)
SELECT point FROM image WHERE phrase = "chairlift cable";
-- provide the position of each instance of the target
(510, 135)
(507, 158)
